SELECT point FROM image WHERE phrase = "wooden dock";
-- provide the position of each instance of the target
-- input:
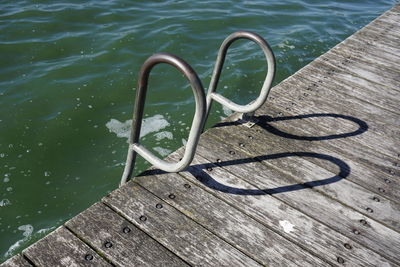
(314, 183)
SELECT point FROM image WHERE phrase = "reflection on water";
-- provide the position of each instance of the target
(68, 75)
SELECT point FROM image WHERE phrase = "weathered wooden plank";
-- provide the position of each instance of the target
(338, 58)
(16, 261)
(391, 33)
(261, 205)
(119, 240)
(370, 73)
(175, 231)
(364, 38)
(62, 248)
(381, 30)
(236, 228)
(333, 214)
(375, 52)
(391, 75)
(388, 22)
(373, 171)
(330, 71)
(346, 192)
(351, 86)
(319, 99)
(371, 55)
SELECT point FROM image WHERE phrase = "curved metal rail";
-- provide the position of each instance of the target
(197, 124)
(203, 103)
(254, 105)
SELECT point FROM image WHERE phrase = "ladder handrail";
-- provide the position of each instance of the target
(203, 103)
(254, 105)
(197, 124)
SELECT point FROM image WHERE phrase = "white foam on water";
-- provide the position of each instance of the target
(162, 151)
(227, 111)
(149, 125)
(162, 135)
(121, 129)
(184, 142)
(27, 232)
(5, 202)
(27, 228)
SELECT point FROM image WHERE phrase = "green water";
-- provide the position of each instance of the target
(68, 71)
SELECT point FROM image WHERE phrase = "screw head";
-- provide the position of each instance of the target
(363, 222)
(171, 196)
(88, 257)
(387, 181)
(340, 260)
(250, 137)
(209, 169)
(381, 190)
(356, 232)
(348, 246)
(376, 199)
(219, 160)
(187, 186)
(241, 144)
(108, 244)
(232, 152)
(126, 230)
(159, 206)
(143, 218)
(369, 210)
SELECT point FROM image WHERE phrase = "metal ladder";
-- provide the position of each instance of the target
(203, 102)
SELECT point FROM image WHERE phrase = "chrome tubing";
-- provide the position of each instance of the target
(197, 125)
(203, 103)
(254, 105)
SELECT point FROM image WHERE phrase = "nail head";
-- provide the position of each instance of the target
(340, 260)
(88, 257)
(126, 230)
(348, 246)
